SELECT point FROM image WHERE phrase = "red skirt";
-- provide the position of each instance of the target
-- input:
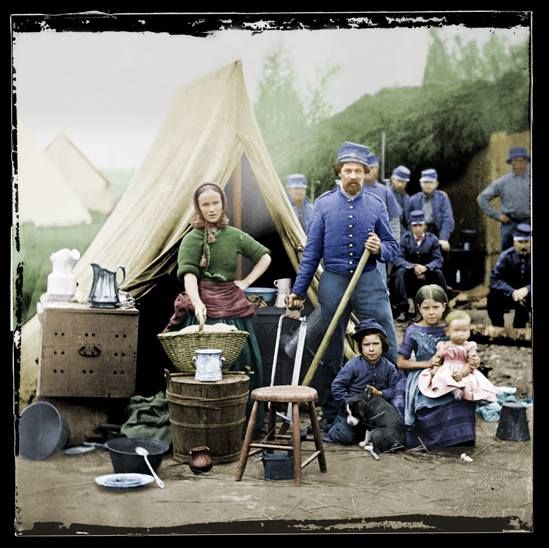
(222, 300)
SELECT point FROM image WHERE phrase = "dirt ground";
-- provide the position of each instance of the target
(411, 491)
(407, 491)
(511, 366)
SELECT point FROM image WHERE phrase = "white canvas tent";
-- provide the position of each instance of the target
(209, 128)
(44, 196)
(85, 180)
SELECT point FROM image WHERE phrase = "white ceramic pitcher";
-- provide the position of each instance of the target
(283, 284)
(61, 281)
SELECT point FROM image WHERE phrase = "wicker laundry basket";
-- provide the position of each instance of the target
(181, 347)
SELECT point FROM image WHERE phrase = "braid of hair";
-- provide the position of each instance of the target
(209, 238)
(205, 259)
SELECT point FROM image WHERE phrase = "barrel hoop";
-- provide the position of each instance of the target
(208, 426)
(194, 401)
(216, 459)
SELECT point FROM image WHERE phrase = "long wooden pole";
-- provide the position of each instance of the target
(237, 210)
(331, 328)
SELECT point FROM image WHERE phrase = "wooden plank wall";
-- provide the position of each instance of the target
(485, 166)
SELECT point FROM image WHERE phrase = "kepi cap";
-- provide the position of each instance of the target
(352, 152)
(296, 180)
(372, 160)
(402, 173)
(428, 176)
(517, 152)
(367, 325)
(522, 232)
(417, 217)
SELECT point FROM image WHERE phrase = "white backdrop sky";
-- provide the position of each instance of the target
(109, 92)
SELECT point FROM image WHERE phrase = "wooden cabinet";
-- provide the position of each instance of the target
(87, 352)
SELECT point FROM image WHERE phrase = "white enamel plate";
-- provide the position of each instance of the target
(123, 481)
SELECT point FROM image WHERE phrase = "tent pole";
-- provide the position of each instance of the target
(237, 209)
(382, 178)
(333, 324)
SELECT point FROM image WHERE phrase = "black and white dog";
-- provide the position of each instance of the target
(385, 430)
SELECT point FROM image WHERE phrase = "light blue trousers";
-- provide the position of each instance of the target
(369, 300)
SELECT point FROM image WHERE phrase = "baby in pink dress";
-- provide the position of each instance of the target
(452, 372)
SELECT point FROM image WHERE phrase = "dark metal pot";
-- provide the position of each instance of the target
(125, 459)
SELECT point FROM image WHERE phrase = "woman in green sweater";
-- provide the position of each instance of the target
(207, 264)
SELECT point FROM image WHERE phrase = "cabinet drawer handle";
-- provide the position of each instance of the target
(89, 351)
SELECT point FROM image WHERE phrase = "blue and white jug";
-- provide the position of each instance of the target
(209, 364)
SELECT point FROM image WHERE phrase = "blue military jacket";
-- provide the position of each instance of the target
(511, 271)
(426, 253)
(403, 200)
(337, 233)
(304, 213)
(358, 373)
(443, 216)
(387, 197)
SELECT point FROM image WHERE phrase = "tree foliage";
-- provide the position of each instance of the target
(469, 63)
(281, 112)
(466, 61)
(439, 126)
(468, 93)
(439, 67)
(318, 107)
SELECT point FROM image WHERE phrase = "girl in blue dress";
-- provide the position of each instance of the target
(432, 422)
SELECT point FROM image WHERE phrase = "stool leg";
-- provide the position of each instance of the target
(271, 421)
(296, 443)
(318, 439)
(247, 441)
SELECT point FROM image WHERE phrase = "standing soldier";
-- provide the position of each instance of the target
(399, 180)
(297, 188)
(371, 184)
(436, 207)
(513, 190)
(345, 221)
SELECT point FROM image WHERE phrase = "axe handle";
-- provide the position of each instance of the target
(333, 324)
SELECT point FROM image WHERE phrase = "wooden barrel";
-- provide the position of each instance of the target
(207, 413)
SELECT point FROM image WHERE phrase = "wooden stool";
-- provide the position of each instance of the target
(283, 394)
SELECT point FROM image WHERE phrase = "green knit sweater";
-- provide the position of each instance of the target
(229, 243)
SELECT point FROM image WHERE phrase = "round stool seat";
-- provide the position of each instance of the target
(285, 393)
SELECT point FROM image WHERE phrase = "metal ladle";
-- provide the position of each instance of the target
(143, 452)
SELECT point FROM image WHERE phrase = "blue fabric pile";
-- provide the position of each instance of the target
(490, 411)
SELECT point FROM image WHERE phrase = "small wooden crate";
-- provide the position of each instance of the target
(88, 352)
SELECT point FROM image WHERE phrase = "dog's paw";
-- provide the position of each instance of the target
(362, 443)
(370, 448)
